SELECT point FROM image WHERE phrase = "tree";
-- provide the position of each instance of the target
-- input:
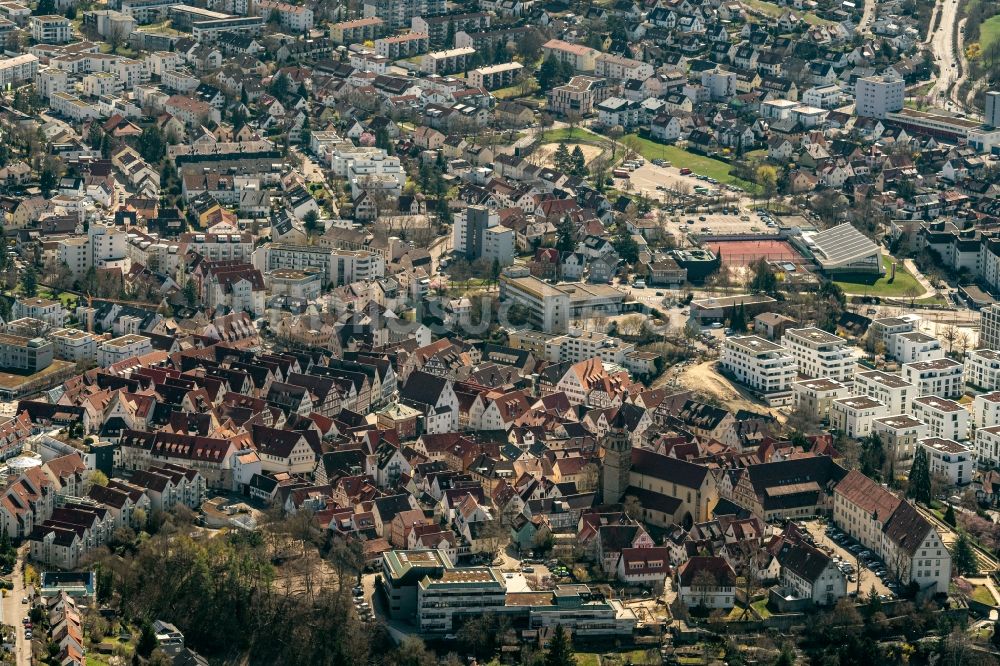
(147, 640)
(44, 8)
(920, 478)
(279, 86)
(152, 145)
(579, 162)
(562, 159)
(767, 178)
(764, 281)
(632, 508)
(566, 235)
(625, 245)
(963, 555)
(739, 322)
(872, 457)
(96, 478)
(190, 293)
(47, 179)
(559, 653)
(29, 281)
(310, 220)
(949, 515)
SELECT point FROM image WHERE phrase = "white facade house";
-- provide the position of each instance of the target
(814, 396)
(982, 369)
(944, 418)
(891, 390)
(899, 434)
(894, 530)
(877, 96)
(941, 377)
(986, 410)
(819, 354)
(121, 348)
(854, 416)
(987, 446)
(949, 459)
(916, 346)
(760, 364)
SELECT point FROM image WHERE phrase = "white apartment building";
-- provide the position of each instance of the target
(496, 76)
(824, 97)
(877, 96)
(986, 410)
(354, 163)
(51, 29)
(819, 354)
(916, 346)
(886, 328)
(121, 348)
(941, 377)
(581, 57)
(337, 267)
(760, 364)
(988, 446)
(47, 81)
(814, 396)
(948, 458)
(448, 61)
(854, 415)
(51, 312)
(73, 345)
(894, 530)
(982, 369)
(621, 69)
(944, 418)
(17, 69)
(292, 17)
(899, 434)
(579, 345)
(218, 247)
(73, 107)
(891, 390)
(989, 327)
(498, 245)
(103, 247)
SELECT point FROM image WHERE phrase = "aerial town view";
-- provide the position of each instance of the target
(500, 332)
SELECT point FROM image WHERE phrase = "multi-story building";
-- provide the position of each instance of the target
(442, 28)
(900, 434)
(582, 58)
(945, 418)
(580, 95)
(819, 354)
(916, 346)
(121, 348)
(622, 69)
(446, 62)
(988, 446)
(989, 326)
(579, 346)
(894, 530)
(295, 18)
(551, 307)
(941, 377)
(357, 31)
(949, 459)
(814, 396)
(854, 416)
(885, 329)
(877, 96)
(19, 68)
(982, 369)
(397, 47)
(337, 267)
(24, 354)
(217, 247)
(762, 365)
(74, 345)
(891, 390)
(51, 312)
(49, 29)
(986, 410)
(495, 76)
(73, 107)
(398, 14)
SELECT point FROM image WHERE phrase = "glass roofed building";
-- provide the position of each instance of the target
(843, 249)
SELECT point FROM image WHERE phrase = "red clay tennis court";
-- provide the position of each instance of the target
(745, 252)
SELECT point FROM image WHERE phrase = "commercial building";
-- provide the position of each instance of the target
(843, 249)
(819, 354)
(941, 377)
(949, 459)
(762, 365)
(894, 530)
(877, 96)
(945, 418)
(552, 307)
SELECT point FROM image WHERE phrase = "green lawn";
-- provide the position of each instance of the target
(867, 284)
(774, 11)
(761, 607)
(989, 32)
(706, 166)
(517, 90)
(983, 595)
(575, 135)
(587, 659)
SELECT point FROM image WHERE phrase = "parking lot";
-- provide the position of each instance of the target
(852, 558)
(649, 177)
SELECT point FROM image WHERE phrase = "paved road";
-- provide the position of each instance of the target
(13, 612)
(942, 43)
(869, 15)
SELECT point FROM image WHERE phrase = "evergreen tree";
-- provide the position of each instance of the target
(566, 235)
(579, 162)
(29, 281)
(549, 74)
(872, 456)
(739, 319)
(625, 245)
(47, 180)
(190, 293)
(764, 281)
(147, 640)
(949, 516)
(562, 159)
(560, 652)
(152, 145)
(964, 555)
(920, 478)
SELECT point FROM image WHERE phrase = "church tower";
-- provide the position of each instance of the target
(617, 461)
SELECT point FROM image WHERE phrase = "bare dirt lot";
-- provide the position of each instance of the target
(547, 151)
(705, 378)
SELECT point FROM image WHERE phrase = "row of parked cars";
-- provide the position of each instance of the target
(869, 559)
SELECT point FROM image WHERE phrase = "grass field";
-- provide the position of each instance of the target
(761, 607)
(517, 90)
(983, 595)
(774, 11)
(706, 166)
(576, 135)
(989, 32)
(587, 659)
(901, 287)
